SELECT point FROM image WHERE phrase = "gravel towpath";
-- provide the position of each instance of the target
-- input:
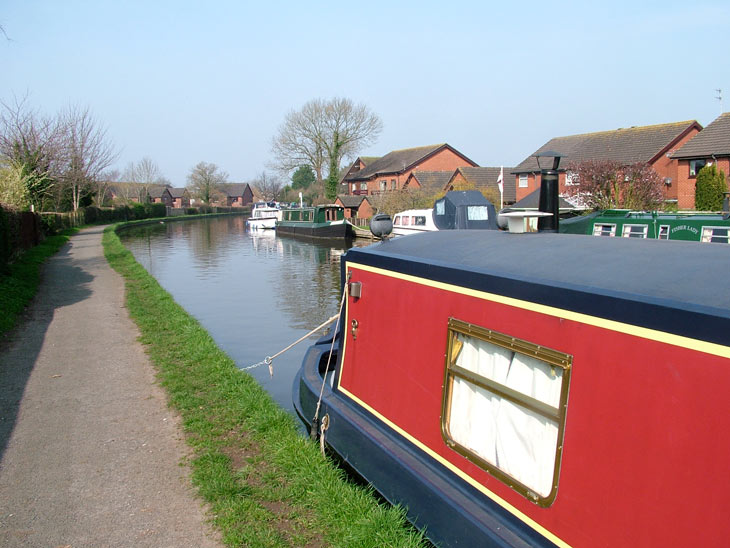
(90, 455)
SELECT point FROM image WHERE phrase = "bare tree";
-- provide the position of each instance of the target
(144, 174)
(322, 133)
(204, 180)
(87, 151)
(268, 186)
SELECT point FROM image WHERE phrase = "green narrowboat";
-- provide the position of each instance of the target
(697, 227)
(322, 221)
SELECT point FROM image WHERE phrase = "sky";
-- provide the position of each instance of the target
(183, 82)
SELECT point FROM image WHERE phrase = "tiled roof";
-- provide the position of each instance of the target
(714, 139)
(486, 177)
(367, 160)
(395, 161)
(156, 191)
(351, 201)
(234, 189)
(625, 145)
(433, 180)
(177, 192)
(532, 201)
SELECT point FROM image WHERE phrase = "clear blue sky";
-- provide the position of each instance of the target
(184, 82)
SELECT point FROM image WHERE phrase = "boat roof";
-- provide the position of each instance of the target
(673, 286)
(415, 212)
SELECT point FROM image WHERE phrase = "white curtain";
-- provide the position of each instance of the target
(516, 440)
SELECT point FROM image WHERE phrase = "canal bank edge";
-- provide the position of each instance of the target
(266, 485)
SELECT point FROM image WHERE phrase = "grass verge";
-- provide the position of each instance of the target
(266, 485)
(20, 283)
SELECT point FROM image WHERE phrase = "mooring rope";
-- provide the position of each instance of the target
(269, 359)
(315, 420)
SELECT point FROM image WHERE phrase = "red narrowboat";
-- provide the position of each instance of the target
(534, 389)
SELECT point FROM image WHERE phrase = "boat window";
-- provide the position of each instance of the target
(663, 232)
(604, 229)
(397, 220)
(419, 220)
(716, 234)
(634, 231)
(441, 207)
(406, 220)
(477, 213)
(504, 407)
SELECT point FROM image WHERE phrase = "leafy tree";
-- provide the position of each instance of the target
(303, 177)
(322, 133)
(605, 184)
(710, 187)
(204, 180)
(13, 191)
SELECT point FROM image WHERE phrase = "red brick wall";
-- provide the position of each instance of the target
(667, 167)
(686, 184)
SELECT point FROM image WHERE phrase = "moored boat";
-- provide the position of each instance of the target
(458, 209)
(697, 227)
(533, 390)
(263, 216)
(322, 221)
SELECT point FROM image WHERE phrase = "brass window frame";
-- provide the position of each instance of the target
(552, 357)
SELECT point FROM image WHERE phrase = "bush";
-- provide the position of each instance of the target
(155, 210)
(191, 211)
(709, 188)
(138, 211)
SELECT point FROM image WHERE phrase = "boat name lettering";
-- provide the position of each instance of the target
(692, 229)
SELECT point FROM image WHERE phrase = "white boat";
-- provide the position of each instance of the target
(412, 221)
(263, 216)
(459, 209)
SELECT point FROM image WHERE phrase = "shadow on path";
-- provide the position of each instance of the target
(64, 281)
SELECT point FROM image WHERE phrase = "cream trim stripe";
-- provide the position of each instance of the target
(612, 325)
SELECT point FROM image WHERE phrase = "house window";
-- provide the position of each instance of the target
(383, 185)
(695, 166)
(663, 232)
(392, 184)
(504, 407)
(604, 229)
(354, 187)
(523, 181)
(716, 234)
(363, 186)
(634, 231)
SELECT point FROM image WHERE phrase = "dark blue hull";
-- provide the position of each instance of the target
(451, 512)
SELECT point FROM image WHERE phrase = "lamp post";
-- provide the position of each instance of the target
(549, 198)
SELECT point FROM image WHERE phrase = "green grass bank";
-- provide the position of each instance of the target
(20, 283)
(266, 485)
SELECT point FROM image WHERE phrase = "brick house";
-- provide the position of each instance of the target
(160, 195)
(237, 195)
(180, 197)
(711, 145)
(653, 145)
(356, 206)
(485, 179)
(390, 172)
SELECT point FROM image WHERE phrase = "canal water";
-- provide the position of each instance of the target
(254, 292)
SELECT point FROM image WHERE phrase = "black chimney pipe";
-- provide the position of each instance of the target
(549, 193)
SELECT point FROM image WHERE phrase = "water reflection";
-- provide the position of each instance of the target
(255, 292)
